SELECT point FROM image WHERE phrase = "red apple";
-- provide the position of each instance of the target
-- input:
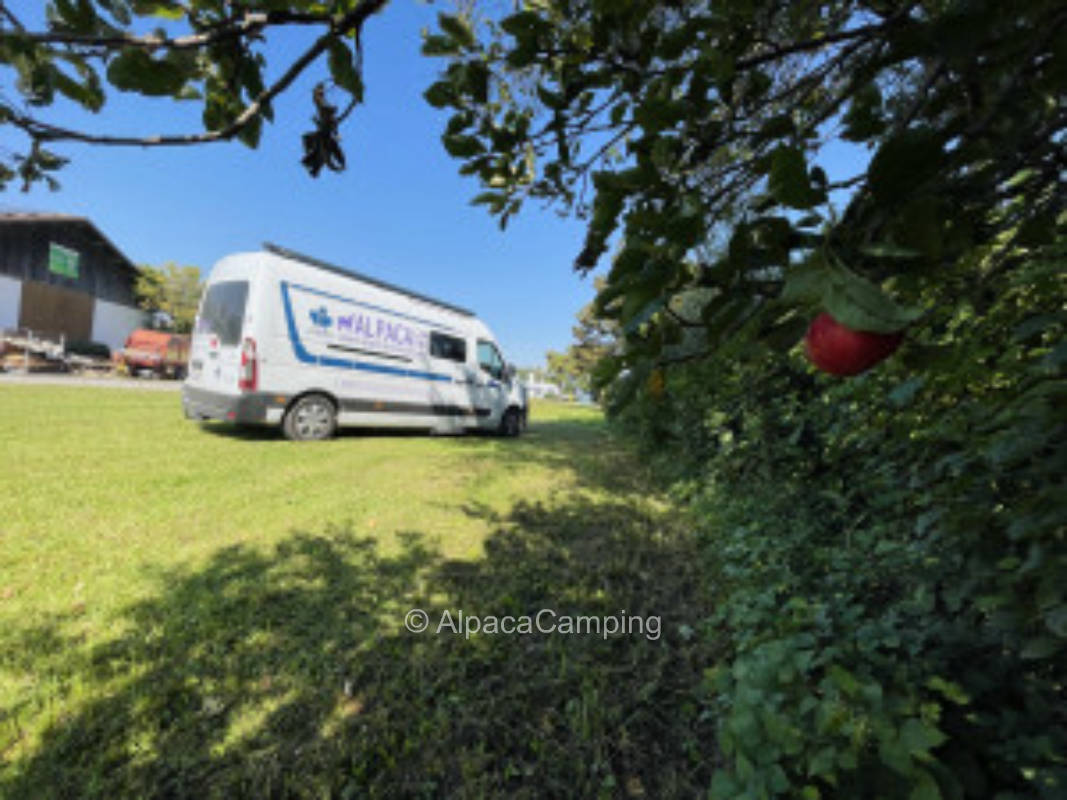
(833, 348)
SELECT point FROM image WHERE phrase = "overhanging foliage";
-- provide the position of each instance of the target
(204, 51)
(673, 125)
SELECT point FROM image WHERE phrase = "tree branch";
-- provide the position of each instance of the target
(251, 23)
(808, 45)
(353, 20)
(10, 16)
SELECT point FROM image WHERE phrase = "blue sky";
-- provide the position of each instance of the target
(400, 212)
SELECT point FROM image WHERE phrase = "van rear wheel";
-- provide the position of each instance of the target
(311, 418)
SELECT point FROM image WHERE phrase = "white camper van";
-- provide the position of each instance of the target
(285, 339)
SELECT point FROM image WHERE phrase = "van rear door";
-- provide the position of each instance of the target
(215, 355)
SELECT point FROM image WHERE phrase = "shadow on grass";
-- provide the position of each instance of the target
(584, 447)
(273, 433)
(289, 674)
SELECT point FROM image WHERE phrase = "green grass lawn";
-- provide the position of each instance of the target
(194, 611)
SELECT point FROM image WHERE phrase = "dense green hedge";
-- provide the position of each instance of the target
(892, 547)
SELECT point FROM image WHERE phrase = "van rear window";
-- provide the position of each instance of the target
(450, 347)
(223, 310)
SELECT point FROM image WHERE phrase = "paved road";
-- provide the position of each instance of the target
(44, 379)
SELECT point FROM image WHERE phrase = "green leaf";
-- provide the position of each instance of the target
(437, 45)
(165, 9)
(894, 755)
(822, 763)
(724, 786)
(134, 70)
(553, 100)
(863, 120)
(804, 283)
(77, 16)
(789, 182)
(952, 692)
(461, 146)
(919, 736)
(496, 201)
(475, 80)
(457, 29)
(88, 94)
(860, 305)
(777, 127)
(524, 24)
(903, 164)
(440, 94)
(631, 324)
(926, 788)
(785, 333)
(343, 69)
(607, 369)
(843, 680)
(249, 135)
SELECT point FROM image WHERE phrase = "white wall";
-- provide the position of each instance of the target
(10, 298)
(538, 389)
(112, 323)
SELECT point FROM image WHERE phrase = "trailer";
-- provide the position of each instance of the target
(163, 354)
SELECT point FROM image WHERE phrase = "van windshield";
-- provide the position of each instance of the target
(223, 311)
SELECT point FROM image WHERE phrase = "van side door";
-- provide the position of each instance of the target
(448, 354)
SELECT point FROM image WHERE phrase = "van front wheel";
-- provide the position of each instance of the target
(511, 424)
(311, 418)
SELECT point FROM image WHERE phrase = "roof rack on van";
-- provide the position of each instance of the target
(348, 273)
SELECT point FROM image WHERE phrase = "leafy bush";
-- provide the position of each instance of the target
(893, 549)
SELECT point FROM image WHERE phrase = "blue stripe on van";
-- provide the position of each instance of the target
(303, 355)
(373, 307)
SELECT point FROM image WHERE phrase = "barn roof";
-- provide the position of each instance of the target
(48, 218)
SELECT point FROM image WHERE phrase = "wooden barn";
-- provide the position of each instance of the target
(59, 275)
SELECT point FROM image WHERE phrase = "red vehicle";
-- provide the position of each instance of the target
(164, 354)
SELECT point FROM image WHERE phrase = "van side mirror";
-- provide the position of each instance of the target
(510, 371)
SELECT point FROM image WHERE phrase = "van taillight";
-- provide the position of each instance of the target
(248, 376)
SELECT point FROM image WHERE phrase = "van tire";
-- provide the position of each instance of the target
(311, 418)
(511, 423)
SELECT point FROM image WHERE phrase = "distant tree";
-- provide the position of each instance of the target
(595, 340)
(210, 52)
(562, 370)
(172, 290)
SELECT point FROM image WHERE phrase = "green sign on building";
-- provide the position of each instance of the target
(62, 260)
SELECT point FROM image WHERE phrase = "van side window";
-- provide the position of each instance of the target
(489, 359)
(450, 347)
